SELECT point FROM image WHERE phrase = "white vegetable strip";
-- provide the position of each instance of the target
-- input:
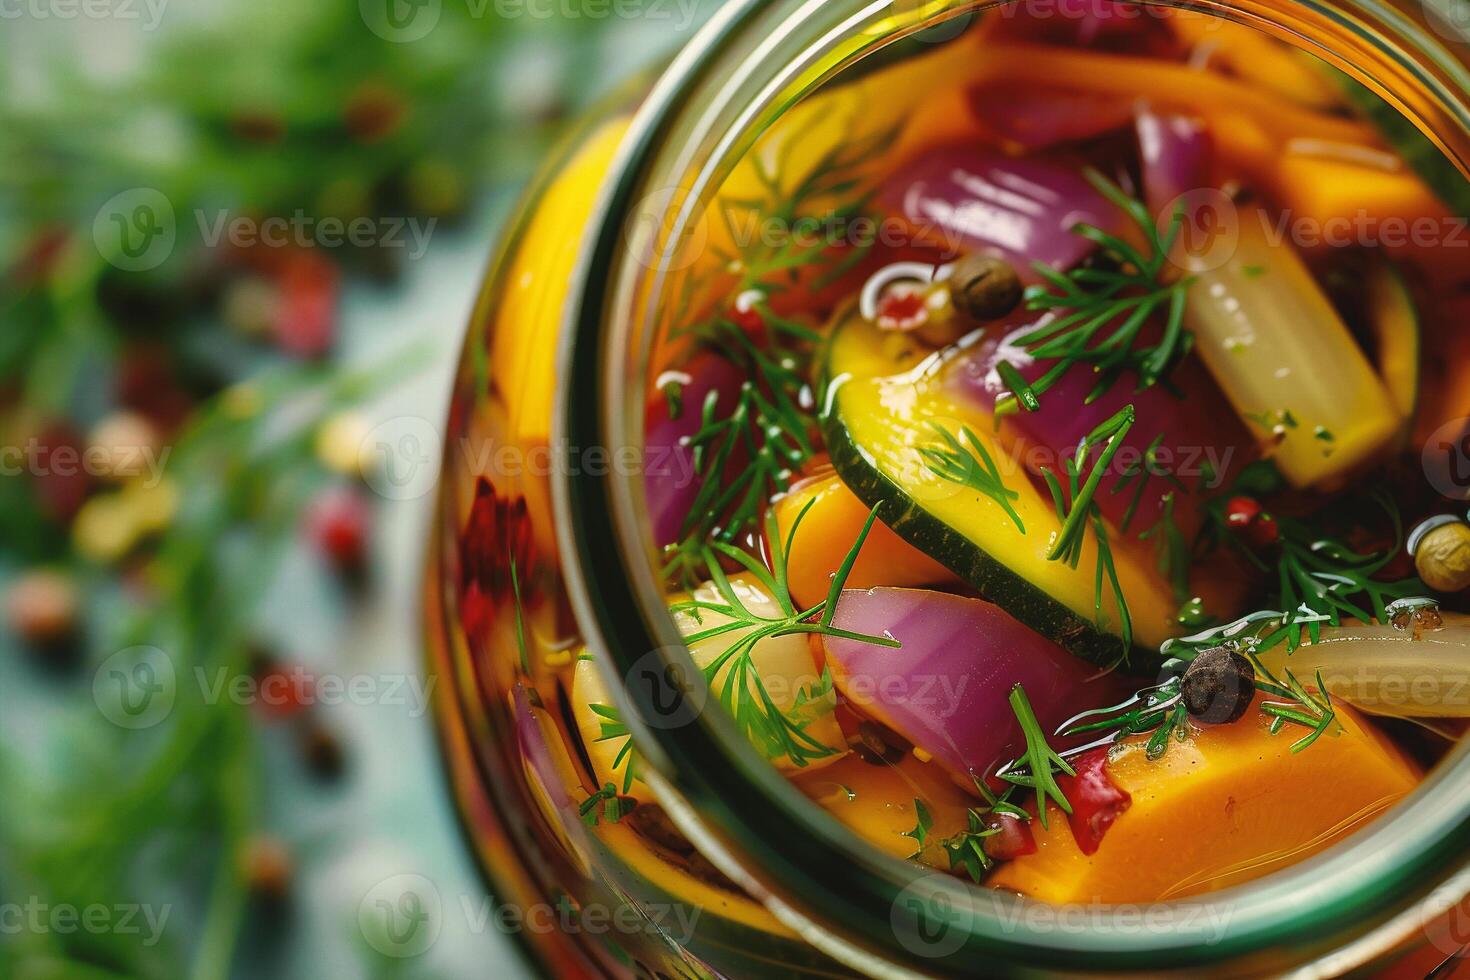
(1284, 358)
(1384, 670)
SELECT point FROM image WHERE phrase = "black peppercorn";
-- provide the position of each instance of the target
(1219, 685)
(323, 753)
(984, 287)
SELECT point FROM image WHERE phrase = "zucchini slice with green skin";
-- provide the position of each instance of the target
(882, 399)
(1416, 149)
(1396, 335)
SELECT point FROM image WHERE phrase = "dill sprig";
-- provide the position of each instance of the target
(1136, 475)
(967, 848)
(1315, 713)
(1037, 768)
(1170, 548)
(1318, 578)
(771, 425)
(1077, 509)
(1159, 709)
(613, 727)
(741, 691)
(836, 175)
(769, 429)
(974, 468)
(1250, 636)
(1121, 290)
(1323, 580)
(606, 804)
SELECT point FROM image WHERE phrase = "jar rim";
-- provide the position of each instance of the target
(840, 893)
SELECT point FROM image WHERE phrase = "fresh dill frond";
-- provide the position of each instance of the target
(1313, 712)
(770, 428)
(1317, 578)
(1037, 768)
(1159, 709)
(1170, 548)
(967, 848)
(1136, 475)
(972, 467)
(1077, 509)
(606, 804)
(742, 692)
(613, 728)
(1120, 291)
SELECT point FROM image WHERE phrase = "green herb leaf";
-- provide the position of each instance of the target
(920, 833)
(974, 468)
(742, 692)
(1037, 768)
(1118, 292)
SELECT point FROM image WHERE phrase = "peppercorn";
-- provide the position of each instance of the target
(266, 867)
(984, 287)
(1442, 557)
(1218, 686)
(322, 752)
(124, 445)
(338, 521)
(1242, 511)
(42, 608)
(1245, 515)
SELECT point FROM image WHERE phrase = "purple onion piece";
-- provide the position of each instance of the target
(1200, 437)
(1022, 209)
(1174, 151)
(536, 751)
(668, 476)
(946, 689)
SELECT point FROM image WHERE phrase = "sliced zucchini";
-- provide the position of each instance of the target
(1395, 324)
(1417, 150)
(882, 404)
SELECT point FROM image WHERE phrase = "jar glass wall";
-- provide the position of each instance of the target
(544, 548)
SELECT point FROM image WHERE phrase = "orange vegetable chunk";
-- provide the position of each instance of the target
(1225, 807)
(829, 530)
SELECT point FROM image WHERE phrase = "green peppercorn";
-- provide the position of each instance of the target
(1219, 685)
(984, 287)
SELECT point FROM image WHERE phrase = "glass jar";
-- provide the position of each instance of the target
(543, 543)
